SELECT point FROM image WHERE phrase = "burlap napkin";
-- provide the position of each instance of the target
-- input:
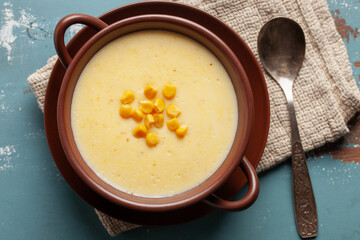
(326, 95)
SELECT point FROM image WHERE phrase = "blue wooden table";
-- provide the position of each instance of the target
(37, 203)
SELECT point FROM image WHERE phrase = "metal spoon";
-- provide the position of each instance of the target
(281, 46)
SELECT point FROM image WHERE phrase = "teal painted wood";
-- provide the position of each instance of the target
(36, 202)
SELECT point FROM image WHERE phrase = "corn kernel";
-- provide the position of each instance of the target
(159, 120)
(159, 105)
(127, 98)
(169, 91)
(125, 111)
(173, 111)
(173, 124)
(149, 120)
(181, 131)
(140, 131)
(146, 106)
(151, 139)
(138, 115)
(150, 92)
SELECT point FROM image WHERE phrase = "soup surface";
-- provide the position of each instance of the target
(204, 93)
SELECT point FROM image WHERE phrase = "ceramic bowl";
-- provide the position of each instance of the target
(107, 33)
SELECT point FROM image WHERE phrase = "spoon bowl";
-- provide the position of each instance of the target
(281, 48)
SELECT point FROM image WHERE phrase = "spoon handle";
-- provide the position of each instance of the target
(303, 195)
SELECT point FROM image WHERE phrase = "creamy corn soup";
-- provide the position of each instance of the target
(204, 93)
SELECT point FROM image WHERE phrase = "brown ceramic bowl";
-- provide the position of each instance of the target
(106, 34)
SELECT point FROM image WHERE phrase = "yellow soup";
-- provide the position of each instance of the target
(204, 93)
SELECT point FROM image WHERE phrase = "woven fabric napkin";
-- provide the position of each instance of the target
(326, 95)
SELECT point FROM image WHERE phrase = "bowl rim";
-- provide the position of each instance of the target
(155, 205)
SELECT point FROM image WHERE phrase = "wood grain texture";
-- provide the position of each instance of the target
(344, 30)
(346, 149)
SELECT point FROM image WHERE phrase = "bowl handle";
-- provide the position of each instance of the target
(247, 200)
(66, 22)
